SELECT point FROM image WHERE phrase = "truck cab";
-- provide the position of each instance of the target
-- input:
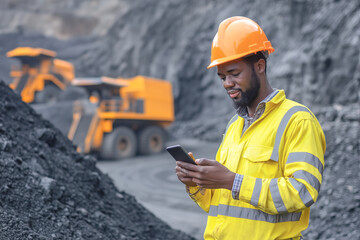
(39, 76)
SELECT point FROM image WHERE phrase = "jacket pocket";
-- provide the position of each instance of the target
(258, 153)
(258, 162)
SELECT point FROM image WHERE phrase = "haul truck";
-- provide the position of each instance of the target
(40, 77)
(122, 117)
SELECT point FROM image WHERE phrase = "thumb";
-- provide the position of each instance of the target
(205, 162)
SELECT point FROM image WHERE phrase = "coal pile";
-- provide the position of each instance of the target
(49, 191)
(336, 214)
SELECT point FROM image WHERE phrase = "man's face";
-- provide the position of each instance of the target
(240, 81)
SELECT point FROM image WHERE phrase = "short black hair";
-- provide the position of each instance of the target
(252, 59)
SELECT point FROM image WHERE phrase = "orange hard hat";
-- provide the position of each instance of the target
(238, 37)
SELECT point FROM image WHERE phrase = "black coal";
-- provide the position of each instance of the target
(49, 191)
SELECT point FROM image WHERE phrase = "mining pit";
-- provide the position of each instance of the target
(49, 191)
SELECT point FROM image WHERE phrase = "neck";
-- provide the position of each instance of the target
(263, 93)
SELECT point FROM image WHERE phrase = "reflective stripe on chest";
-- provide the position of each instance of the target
(279, 132)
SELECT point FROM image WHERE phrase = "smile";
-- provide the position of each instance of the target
(233, 93)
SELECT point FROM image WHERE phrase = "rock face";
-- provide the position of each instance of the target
(316, 61)
(49, 191)
(316, 58)
(336, 213)
(61, 19)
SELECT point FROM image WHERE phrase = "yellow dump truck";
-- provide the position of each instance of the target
(40, 76)
(122, 117)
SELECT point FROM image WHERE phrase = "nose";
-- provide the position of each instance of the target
(228, 83)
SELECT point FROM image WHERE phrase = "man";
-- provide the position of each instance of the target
(268, 168)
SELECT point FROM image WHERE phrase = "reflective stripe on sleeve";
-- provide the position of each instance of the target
(305, 157)
(281, 129)
(252, 214)
(276, 197)
(256, 193)
(303, 192)
(308, 177)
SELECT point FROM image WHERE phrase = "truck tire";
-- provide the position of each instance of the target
(49, 94)
(119, 144)
(151, 140)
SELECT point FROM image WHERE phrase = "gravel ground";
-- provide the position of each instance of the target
(49, 191)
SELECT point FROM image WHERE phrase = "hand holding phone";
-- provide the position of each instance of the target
(179, 154)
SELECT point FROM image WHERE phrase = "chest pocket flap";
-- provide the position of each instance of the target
(258, 163)
(258, 153)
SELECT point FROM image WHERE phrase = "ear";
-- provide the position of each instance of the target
(260, 66)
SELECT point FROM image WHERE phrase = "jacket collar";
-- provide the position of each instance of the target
(274, 97)
(278, 98)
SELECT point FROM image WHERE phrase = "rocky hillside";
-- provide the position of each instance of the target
(336, 213)
(316, 58)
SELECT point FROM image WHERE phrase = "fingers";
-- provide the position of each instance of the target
(205, 162)
(191, 170)
(207, 174)
(204, 183)
(187, 166)
(191, 155)
(182, 176)
(181, 172)
(193, 178)
(186, 172)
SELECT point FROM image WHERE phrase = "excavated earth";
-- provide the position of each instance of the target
(49, 191)
(336, 214)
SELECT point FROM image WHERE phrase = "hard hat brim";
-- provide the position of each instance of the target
(237, 56)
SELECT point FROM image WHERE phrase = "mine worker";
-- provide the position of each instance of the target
(269, 166)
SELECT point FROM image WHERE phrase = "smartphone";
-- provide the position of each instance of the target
(179, 154)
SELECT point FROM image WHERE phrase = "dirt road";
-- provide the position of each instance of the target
(152, 180)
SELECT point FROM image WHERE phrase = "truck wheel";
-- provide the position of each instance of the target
(151, 140)
(49, 94)
(121, 143)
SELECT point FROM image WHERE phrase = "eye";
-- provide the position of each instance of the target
(236, 74)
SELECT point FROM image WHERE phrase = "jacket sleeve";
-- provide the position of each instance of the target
(302, 165)
(200, 196)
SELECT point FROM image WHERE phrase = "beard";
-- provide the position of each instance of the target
(248, 97)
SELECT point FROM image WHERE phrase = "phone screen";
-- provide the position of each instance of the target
(179, 154)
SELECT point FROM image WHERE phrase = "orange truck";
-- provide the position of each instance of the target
(40, 77)
(122, 117)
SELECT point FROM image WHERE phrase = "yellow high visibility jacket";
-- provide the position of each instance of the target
(281, 158)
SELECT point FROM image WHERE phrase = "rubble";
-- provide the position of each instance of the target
(49, 191)
(336, 213)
